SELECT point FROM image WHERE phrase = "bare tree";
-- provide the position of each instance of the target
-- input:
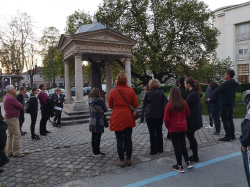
(31, 62)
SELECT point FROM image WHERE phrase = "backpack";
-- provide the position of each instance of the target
(26, 105)
(164, 103)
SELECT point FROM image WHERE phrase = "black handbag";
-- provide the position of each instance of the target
(103, 116)
(133, 109)
(3, 159)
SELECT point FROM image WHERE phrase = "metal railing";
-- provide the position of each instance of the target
(243, 56)
(243, 36)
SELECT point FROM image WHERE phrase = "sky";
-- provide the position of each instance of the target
(47, 13)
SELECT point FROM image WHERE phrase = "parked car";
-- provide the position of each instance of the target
(73, 90)
(88, 89)
(62, 91)
(246, 96)
(27, 95)
(51, 91)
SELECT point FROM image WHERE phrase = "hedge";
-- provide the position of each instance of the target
(242, 87)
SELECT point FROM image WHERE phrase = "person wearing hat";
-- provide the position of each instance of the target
(58, 99)
(245, 143)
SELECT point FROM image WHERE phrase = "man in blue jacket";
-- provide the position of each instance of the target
(227, 92)
(245, 143)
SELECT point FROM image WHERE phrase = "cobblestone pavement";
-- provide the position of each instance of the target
(65, 154)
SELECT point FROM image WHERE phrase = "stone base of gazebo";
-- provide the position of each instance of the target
(71, 117)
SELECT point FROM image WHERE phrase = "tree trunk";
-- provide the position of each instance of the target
(31, 81)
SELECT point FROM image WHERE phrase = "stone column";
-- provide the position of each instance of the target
(78, 104)
(108, 79)
(128, 70)
(68, 97)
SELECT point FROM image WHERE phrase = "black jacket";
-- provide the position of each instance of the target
(184, 92)
(245, 129)
(33, 105)
(3, 135)
(153, 103)
(48, 110)
(227, 92)
(56, 99)
(20, 99)
(215, 99)
(208, 94)
(194, 121)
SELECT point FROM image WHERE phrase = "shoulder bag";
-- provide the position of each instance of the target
(133, 109)
(103, 116)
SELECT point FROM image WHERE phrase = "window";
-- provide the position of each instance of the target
(34, 85)
(27, 85)
(41, 77)
(28, 77)
(243, 29)
(243, 73)
(60, 84)
(243, 49)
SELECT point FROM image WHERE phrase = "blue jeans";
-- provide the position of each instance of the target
(227, 120)
(216, 118)
(246, 162)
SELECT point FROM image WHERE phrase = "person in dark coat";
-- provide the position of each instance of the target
(208, 96)
(184, 91)
(32, 109)
(215, 107)
(227, 92)
(58, 100)
(3, 138)
(194, 121)
(154, 118)
(20, 98)
(97, 108)
(245, 143)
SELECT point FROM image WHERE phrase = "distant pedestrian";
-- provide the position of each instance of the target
(122, 120)
(58, 100)
(153, 105)
(32, 109)
(12, 111)
(194, 121)
(3, 139)
(227, 92)
(184, 91)
(245, 143)
(175, 120)
(215, 107)
(42, 96)
(142, 96)
(208, 96)
(20, 98)
(97, 108)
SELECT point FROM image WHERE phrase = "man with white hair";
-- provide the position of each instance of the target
(12, 111)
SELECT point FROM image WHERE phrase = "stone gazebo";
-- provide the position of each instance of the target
(96, 42)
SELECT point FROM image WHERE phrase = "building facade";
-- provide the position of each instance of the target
(234, 41)
(38, 79)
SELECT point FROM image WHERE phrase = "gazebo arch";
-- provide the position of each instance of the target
(99, 43)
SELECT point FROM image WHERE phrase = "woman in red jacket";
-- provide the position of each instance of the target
(122, 120)
(175, 115)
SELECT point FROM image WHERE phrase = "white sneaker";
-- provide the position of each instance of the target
(209, 127)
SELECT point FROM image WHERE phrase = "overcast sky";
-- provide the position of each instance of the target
(48, 13)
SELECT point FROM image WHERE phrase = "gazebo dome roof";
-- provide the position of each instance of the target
(90, 27)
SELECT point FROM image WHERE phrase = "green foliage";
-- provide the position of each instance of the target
(243, 87)
(75, 20)
(170, 33)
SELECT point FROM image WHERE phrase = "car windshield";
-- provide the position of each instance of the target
(72, 89)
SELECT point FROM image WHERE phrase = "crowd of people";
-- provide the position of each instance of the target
(182, 116)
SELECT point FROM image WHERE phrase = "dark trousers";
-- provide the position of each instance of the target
(21, 119)
(43, 123)
(58, 114)
(193, 144)
(209, 113)
(227, 120)
(33, 117)
(179, 143)
(246, 162)
(124, 138)
(96, 138)
(155, 133)
(216, 118)
(142, 113)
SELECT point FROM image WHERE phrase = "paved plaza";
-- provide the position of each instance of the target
(66, 153)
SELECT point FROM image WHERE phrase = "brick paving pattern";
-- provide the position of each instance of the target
(66, 153)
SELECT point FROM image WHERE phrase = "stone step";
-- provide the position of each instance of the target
(76, 117)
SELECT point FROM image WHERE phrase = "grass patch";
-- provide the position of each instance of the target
(239, 110)
(3, 185)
